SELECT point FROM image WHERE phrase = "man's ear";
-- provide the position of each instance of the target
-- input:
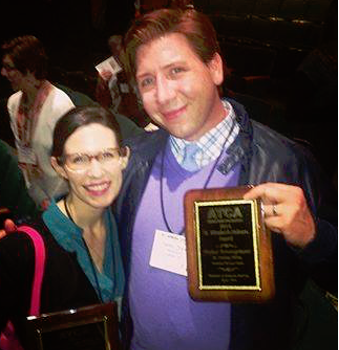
(126, 152)
(216, 68)
(58, 169)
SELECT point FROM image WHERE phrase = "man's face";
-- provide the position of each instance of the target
(179, 91)
(9, 71)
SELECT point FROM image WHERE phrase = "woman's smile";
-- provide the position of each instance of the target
(98, 189)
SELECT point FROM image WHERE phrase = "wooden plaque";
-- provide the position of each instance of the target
(88, 328)
(229, 251)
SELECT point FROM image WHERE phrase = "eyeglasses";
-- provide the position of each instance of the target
(82, 161)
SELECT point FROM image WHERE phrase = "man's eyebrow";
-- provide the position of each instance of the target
(169, 65)
(139, 76)
(175, 64)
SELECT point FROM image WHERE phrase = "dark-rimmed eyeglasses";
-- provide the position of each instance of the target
(82, 161)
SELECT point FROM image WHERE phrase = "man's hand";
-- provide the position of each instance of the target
(286, 211)
(9, 226)
(106, 75)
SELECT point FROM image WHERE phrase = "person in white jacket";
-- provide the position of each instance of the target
(34, 109)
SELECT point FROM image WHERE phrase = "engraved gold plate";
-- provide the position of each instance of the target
(229, 253)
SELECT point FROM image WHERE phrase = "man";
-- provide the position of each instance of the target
(175, 59)
(34, 109)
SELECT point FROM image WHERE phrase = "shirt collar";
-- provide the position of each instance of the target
(212, 143)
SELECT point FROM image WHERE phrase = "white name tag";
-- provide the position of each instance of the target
(169, 252)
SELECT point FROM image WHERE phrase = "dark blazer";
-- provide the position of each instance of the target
(13, 192)
(264, 156)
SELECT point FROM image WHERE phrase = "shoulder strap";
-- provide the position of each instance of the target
(40, 254)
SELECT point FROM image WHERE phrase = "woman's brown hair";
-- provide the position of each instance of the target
(78, 117)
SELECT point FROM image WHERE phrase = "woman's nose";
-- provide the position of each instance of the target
(95, 168)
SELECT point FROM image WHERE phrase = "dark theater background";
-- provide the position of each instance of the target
(281, 58)
(281, 55)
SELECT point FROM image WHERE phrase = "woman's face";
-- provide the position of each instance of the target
(92, 165)
(15, 77)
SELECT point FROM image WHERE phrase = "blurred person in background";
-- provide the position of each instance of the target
(115, 91)
(34, 109)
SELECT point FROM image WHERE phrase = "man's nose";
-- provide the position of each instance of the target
(164, 90)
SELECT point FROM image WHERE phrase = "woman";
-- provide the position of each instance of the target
(34, 109)
(83, 262)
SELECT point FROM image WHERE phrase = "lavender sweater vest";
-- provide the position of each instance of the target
(156, 295)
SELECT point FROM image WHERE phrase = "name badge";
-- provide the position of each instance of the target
(169, 252)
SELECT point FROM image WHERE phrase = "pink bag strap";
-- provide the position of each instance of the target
(40, 255)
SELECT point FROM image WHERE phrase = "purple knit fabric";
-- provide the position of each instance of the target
(164, 316)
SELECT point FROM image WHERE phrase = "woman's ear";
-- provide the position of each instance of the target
(58, 168)
(126, 152)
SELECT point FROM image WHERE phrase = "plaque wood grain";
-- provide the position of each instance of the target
(229, 258)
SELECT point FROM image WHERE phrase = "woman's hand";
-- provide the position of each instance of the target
(9, 226)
